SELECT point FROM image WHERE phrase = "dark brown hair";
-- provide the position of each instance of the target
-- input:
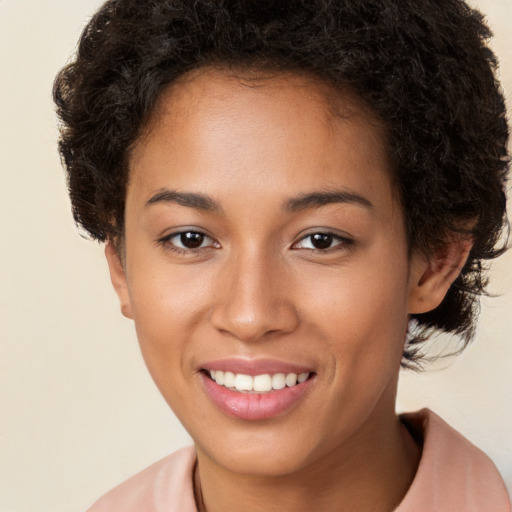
(422, 68)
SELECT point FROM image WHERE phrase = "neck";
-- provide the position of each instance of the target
(369, 473)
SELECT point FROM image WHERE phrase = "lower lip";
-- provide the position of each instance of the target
(255, 406)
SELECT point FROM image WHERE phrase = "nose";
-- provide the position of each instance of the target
(253, 301)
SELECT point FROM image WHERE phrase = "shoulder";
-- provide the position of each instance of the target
(453, 474)
(164, 486)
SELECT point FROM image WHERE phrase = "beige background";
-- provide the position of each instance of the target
(78, 412)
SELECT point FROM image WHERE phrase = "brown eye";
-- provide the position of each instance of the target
(188, 241)
(191, 239)
(321, 240)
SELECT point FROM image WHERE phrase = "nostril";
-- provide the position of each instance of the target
(254, 323)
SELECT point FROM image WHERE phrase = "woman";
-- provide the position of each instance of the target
(293, 197)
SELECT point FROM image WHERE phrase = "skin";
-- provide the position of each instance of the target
(257, 288)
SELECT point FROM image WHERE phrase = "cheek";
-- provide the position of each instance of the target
(362, 312)
(161, 293)
(166, 308)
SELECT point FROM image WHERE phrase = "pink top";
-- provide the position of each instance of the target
(453, 476)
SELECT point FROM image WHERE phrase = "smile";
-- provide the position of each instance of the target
(256, 390)
(263, 383)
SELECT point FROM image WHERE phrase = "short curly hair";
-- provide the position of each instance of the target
(421, 67)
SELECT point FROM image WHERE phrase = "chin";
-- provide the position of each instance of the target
(264, 454)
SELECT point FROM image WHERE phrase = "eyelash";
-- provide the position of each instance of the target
(343, 242)
(168, 245)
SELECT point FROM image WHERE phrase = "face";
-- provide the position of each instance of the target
(265, 247)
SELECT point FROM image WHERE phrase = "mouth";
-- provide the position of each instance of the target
(263, 383)
(257, 390)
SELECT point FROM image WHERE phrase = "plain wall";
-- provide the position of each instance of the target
(78, 411)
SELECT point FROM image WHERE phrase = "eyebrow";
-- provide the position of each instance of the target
(189, 199)
(295, 204)
(322, 198)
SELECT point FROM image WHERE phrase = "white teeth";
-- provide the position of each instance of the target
(219, 377)
(229, 379)
(291, 379)
(278, 381)
(263, 383)
(302, 377)
(243, 382)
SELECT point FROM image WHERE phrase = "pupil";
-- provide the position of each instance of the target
(192, 240)
(321, 240)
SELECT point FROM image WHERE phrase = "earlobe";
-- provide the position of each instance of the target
(118, 278)
(431, 278)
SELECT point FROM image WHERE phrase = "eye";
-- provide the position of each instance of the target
(187, 241)
(322, 242)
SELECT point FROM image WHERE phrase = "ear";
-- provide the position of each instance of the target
(118, 278)
(430, 278)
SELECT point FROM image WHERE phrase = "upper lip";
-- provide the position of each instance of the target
(255, 366)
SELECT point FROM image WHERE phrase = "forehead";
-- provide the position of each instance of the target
(220, 82)
(209, 88)
(213, 128)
